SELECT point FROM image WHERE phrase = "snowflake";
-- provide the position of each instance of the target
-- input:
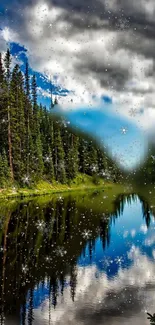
(24, 268)
(105, 173)
(119, 259)
(132, 112)
(94, 168)
(123, 24)
(106, 262)
(47, 158)
(86, 234)
(64, 123)
(60, 251)
(41, 224)
(124, 130)
(98, 230)
(102, 173)
(26, 179)
(3, 120)
(60, 166)
(46, 230)
(103, 217)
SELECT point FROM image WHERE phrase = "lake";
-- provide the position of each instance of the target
(77, 259)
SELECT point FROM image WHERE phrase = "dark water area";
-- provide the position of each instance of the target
(77, 260)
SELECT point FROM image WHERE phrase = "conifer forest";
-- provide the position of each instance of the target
(34, 144)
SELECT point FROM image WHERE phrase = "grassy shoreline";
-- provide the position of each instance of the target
(81, 183)
(26, 192)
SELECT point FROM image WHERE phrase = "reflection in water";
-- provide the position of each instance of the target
(151, 318)
(70, 261)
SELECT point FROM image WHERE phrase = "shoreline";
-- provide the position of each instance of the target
(9, 193)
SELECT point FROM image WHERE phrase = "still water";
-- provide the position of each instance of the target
(77, 260)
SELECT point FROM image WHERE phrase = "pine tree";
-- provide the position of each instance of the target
(102, 161)
(35, 106)
(4, 170)
(51, 103)
(17, 122)
(72, 158)
(83, 156)
(27, 81)
(55, 101)
(38, 154)
(49, 166)
(28, 121)
(92, 159)
(22, 125)
(1, 72)
(34, 95)
(33, 144)
(2, 175)
(58, 151)
(7, 62)
(3, 109)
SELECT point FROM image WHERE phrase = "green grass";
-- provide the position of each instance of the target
(43, 187)
(99, 199)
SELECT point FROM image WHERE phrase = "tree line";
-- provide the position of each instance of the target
(34, 145)
(144, 174)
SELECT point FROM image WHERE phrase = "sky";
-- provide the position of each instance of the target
(100, 56)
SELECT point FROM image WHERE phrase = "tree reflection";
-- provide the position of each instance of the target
(41, 243)
(151, 318)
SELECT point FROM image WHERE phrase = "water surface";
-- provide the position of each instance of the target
(77, 260)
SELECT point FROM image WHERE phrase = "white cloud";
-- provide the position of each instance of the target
(3, 45)
(98, 296)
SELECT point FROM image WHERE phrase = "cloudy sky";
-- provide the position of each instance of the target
(100, 55)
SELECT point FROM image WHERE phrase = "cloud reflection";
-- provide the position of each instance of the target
(123, 299)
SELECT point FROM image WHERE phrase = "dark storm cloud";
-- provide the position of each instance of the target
(89, 14)
(123, 304)
(87, 6)
(82, 13)
(138, 30)
(130, 21)
(113, 77)
(124, 10)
